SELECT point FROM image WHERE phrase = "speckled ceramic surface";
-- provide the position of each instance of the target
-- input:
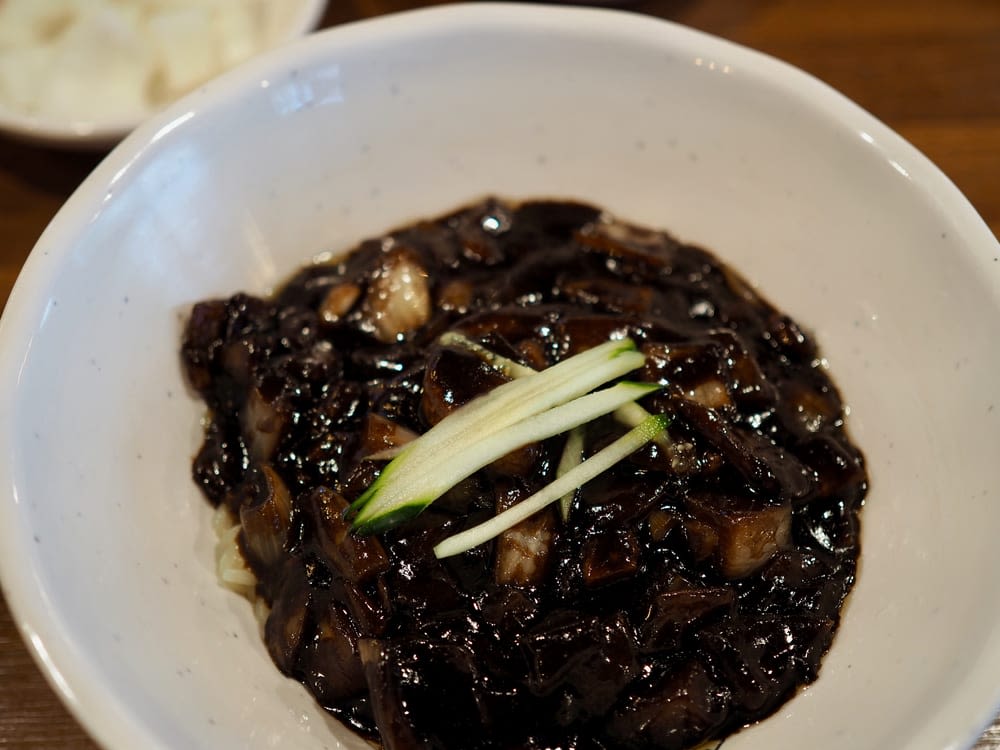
(106, 545)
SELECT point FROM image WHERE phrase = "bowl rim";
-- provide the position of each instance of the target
(97, 134)
(71, 672)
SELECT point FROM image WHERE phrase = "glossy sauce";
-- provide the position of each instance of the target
(693, 588)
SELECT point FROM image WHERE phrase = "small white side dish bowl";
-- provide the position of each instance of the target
(109, 67)
(106, 547)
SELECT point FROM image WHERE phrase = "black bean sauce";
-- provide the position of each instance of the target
(694, 587)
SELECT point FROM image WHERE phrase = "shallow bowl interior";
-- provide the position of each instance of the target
(106, 544)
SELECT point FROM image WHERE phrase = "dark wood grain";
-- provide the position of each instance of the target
(928, 69)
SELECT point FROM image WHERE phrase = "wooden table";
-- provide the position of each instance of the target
(929, 69)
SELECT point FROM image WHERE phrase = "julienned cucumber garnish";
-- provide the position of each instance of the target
(572, 456)
(421, 490)
(630, 415)
(584, 472)
(516, 413)
(507, 366)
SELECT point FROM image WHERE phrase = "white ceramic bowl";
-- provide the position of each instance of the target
(285, 20)
(106, 543)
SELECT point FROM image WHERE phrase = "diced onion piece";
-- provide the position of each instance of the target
(399, 298)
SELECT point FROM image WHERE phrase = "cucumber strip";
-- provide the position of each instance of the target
(486, 416)
(572, 456)
(506, 365)
(503, 406)
(630, 415)
(389, 519)
(516, 400)
(419, 492)
(587, 470)
(633, 415)
(386, 454)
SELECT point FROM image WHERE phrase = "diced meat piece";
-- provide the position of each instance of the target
(610, 556)
(587, 331)
(748, 534)
(454, 377)
(523, 551)
(702, 539)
